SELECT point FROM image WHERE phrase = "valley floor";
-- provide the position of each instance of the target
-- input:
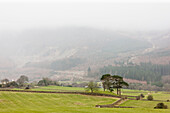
(25, 102)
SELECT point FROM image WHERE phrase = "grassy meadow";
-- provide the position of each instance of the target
(16, 102)
(65, 89)
(81, 89)
(26, 102)
(59, 89)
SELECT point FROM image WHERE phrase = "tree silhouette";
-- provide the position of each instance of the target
(106, 81)
(114, 81)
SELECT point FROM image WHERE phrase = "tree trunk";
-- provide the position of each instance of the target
(104, 87)
(91, 90)
(117, 91)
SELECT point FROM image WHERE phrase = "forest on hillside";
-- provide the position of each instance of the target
(144, 71)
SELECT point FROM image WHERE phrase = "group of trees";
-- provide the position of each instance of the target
(152, 73)
(46, 82)
(66, 64)
(113, 81)
(20, 82)
(109, 82)
(157, 76)
(23, 82)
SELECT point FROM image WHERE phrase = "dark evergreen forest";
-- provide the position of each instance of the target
(145, 71)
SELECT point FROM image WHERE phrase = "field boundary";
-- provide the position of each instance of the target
(81, 93)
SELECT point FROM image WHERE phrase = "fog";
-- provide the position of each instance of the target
(103, 15)
(73, 35)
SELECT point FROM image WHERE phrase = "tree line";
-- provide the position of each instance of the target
(23, 81)
(145, 71)
(20, 82)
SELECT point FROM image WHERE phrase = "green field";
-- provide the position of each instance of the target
(12, 102)
(26, 102)
(59, 89)
(142, 104)
(161, 96)
(65, 89)
(156, 95)
(80, 89)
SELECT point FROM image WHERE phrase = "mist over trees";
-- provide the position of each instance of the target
(145, 71)
(23, 79)
(66, 64)
(46, 82)
(20, 82)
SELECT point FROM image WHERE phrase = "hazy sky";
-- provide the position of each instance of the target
(100, 14)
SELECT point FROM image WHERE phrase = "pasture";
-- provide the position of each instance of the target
(27, 102)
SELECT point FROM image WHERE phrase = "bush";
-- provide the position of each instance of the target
(141, 95)
(46, 82)
(28, 87)
(12, 84)
(124, 97)
(161, 106)
(69, 86)
(111, 89)
(150, 97)
(138, 98)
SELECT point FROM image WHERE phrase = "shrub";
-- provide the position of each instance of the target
(69, 86)
(150, 97)
(161, 106)
(111, 89)
(28, 87)
(141, 95)
(12, 84)
(138, 98)
(124, 97)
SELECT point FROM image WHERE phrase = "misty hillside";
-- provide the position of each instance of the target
(42, 45)
(72, 48)
(29, 42)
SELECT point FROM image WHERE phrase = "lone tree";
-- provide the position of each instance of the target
(114, 81)
(23, 79)
(92, 86)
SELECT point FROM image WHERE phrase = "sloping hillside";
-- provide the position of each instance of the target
(73, 48)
